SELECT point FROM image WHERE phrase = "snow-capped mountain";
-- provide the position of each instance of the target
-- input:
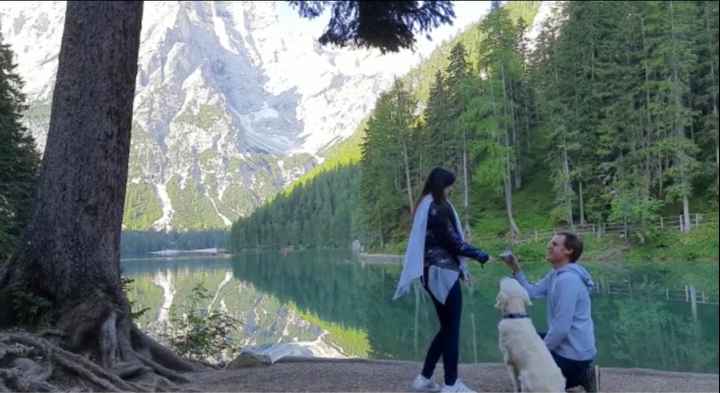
(232, 103)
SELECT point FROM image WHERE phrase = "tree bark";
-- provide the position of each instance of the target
(582, 203)
(567, 187)
(508, 166)
(517, 178)
(70, 252)
(466, 193)
(408, 183)
(515, 231)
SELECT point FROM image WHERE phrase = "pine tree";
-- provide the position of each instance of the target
(458, 79)
(18, 157)
(500, 63)
(706, 83)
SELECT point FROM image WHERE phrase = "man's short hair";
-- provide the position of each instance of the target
(573, 243)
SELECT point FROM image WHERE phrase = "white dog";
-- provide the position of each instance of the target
(531, 367)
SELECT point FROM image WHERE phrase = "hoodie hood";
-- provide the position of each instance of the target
(582, 273)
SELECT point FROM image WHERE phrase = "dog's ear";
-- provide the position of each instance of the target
(500, 300)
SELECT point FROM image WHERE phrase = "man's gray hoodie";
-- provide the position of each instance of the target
(571, 333)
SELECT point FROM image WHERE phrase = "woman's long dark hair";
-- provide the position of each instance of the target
(437, 181)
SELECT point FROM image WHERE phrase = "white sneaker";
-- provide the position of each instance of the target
(459, 387)
(422, 384)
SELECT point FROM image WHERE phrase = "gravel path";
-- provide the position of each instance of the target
(354, 375)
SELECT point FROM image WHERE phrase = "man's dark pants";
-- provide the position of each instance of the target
(574, 371)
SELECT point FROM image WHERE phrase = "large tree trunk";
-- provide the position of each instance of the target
(70, 253)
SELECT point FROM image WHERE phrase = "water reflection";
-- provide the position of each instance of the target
(302, 296)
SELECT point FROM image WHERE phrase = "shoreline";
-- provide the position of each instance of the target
(380, 259)
(363, 375)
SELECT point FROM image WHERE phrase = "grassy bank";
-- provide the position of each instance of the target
(685, 258)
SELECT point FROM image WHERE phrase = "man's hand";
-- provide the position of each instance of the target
(512, 262)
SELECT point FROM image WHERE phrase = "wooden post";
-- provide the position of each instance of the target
(682, 227)
(661, 223)
(625, 228)
(697, 219)
(687, 295)
(667, 294)
(472, 317)
(693, 302)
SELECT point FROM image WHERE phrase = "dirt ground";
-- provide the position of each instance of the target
(355, 375)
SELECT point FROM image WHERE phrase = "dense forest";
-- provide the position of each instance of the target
(609, 115)
(320, 212)
(137, 243)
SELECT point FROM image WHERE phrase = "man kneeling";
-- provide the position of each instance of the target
(570, 337)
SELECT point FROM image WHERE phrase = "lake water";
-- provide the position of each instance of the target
(302, 296)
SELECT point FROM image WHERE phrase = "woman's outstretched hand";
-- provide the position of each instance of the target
(482, 258)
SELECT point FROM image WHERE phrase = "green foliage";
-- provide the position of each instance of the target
(30, 309)
(18, 159)
(193, 209)
(205, 118)
(199, 333)
(126, 283)
(701, 243)
(142, 206)
(344, 153)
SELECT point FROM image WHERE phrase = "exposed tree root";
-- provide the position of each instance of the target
(93, 345)
(32, 363)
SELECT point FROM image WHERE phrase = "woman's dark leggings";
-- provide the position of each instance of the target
(447, 340)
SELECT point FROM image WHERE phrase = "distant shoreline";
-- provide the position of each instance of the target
(380, 259)
(176, 257)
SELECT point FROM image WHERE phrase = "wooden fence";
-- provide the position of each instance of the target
(618, 229)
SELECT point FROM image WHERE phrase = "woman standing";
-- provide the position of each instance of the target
(435, 253)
